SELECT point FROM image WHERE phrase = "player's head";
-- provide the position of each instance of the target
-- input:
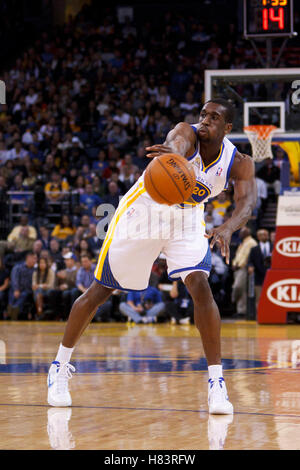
(216, 118)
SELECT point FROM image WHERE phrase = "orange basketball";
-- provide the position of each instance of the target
(169, 179)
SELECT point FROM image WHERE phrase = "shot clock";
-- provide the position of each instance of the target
(268, 18)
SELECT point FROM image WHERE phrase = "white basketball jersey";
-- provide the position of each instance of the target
(212, 179)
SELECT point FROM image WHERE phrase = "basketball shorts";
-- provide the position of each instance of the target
(140, 231)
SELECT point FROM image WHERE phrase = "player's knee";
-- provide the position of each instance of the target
(199, 289)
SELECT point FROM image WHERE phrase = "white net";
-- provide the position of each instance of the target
(260, 138)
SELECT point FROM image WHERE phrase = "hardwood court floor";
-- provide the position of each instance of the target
(145, 387)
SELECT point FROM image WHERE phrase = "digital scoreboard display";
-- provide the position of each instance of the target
(264, 18)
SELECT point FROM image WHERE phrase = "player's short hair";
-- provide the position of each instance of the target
(230, 111)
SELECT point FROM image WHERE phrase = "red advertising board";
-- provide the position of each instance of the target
(281, 289)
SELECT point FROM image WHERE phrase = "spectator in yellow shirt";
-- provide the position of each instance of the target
(63, 230)
(221, 204)
(56, 189)
(15, 233)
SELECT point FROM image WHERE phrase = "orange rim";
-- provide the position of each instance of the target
(262, 131)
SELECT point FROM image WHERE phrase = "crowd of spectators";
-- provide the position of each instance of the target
(83, 102)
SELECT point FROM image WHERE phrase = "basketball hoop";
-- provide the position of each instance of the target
(260, 137)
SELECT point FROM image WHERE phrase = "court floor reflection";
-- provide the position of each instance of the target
(145, 387)
(59, 429)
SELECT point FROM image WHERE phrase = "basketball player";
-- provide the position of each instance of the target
(126, 264)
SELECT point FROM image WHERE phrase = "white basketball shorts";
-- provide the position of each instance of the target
(140, 231)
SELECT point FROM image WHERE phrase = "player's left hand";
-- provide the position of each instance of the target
(222, 236)
(157, 150)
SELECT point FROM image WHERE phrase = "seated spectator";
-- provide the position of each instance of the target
(49, 166)
(37, 248)
(115, 177)
(83, 230)
(43, 280)
(55, 254)
(127, 177)
(121, 117)
(44, 236)
(19, 241)
(182, 307)
(23, 243)
(159, 277)
(113, 196)
(19, 196)
(127, 161)
(31, 98)
(270, 173)
(64, 230)
(112, 166)
(17, 153)
(262, 193)
(30, 179)
(66, 284)
(239, 266)
(66, 142)
(56, 189)
(87, 174)
(83, 249)
(21, 286)
(89, 199)
(189, 104)
(140, 160)
(98, 185)
(14, 234)
(259, 261)
(85, 275)
(80, 184)
(280, 156)
(212, 215)
(118, 136)
(48, 129)
(163, 97)
(94, 242)
(221, 204)
(4, 284)
(143, 307)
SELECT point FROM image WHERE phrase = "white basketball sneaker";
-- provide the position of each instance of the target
(58, 384)
(218, 401)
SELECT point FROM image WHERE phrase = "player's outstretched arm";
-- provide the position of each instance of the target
(245, 196)
(180, 140)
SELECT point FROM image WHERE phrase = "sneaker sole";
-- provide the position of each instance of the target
(58, 404)
(221, 409)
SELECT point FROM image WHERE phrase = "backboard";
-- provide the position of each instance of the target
(260, 96)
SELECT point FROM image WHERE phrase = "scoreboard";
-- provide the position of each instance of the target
(268, 18)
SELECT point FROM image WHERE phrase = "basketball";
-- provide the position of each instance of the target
(169, 179)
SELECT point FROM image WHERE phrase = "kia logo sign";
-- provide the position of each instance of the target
(289, 246)
(285, 293)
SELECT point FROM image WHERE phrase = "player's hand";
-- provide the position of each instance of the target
(157, 150)
(222, 236)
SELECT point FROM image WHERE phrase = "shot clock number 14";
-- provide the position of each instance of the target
(263, 18)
